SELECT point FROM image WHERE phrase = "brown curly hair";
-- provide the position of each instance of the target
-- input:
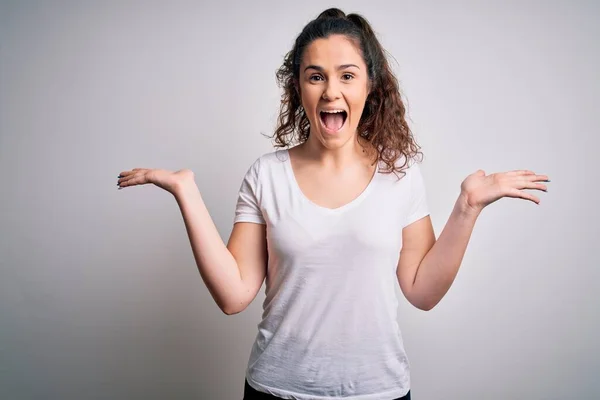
(382, 126)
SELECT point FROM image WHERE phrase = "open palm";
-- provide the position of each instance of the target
(164, 179)
(481, 190)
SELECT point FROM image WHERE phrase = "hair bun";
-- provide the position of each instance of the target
(332, 13)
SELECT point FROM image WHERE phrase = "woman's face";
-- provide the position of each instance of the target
(334, 85)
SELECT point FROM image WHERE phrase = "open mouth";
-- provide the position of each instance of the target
(333, 120)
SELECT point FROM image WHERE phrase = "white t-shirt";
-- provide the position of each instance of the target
(329, 326)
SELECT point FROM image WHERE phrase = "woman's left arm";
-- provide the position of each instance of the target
(427, 267)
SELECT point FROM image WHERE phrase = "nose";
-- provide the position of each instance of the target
(332, 91)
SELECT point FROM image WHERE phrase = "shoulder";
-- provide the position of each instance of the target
(406, 164)
(404, 169)
(271, 157)
(269, 160)
(274, 157)
(268, 166)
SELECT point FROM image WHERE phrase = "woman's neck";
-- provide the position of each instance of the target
(337, 158)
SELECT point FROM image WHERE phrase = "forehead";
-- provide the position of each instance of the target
(332, 51)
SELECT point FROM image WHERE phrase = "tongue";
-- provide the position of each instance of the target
(333, 121)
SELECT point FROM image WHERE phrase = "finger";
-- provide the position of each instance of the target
(126, 175)
(128, 182)
(525, 172)
(516, 193)
(131, 172)
(136, 179)
(124, 178)
(520, 172)
(130, 179)
(532, 184)
(532, 178)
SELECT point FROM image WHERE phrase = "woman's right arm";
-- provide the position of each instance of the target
(234, 273)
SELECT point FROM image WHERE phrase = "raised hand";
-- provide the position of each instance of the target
(480, 190)
(167, 180)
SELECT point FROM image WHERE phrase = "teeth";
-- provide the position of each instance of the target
(333, 111)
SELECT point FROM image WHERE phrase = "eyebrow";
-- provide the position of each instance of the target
(320, 69)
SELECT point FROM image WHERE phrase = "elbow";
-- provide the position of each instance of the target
(427, 307)
(230, 311)
(233, 308)
(420, 300)
(424, 305)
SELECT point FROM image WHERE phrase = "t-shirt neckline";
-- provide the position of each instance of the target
(352, 203)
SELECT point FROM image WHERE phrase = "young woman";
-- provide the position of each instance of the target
(334, 223)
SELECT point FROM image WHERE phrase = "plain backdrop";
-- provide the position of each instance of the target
(100, 297)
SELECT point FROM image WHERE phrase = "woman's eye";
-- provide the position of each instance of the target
(315, 78)
(347, 77)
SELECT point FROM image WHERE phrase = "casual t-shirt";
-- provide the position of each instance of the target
(329, 324)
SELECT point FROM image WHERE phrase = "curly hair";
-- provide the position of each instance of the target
(382, 123)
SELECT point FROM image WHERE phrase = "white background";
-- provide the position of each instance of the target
(99, 294)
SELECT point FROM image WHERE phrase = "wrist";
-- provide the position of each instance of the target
(184, 187)
(463, 207)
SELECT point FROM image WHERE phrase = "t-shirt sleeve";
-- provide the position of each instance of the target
(248, 205)
(418, 207)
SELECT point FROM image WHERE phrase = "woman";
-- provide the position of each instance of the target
(333, 223)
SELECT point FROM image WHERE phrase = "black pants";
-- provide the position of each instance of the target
(252, 394)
